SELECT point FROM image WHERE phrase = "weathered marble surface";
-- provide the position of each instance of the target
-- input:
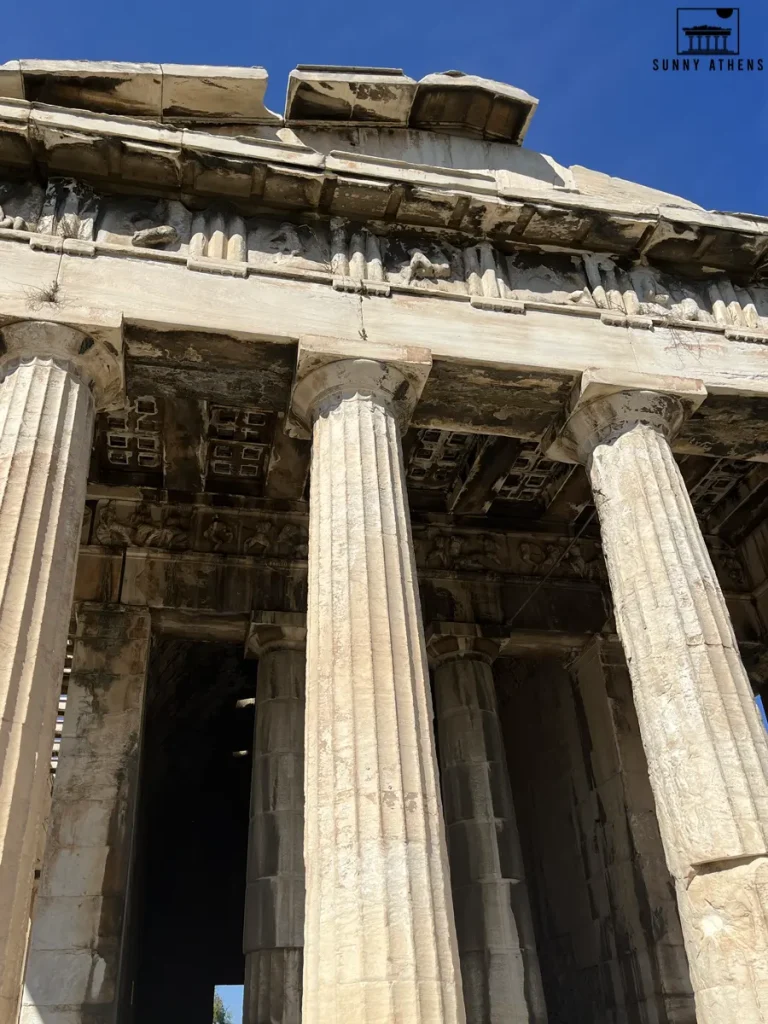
(706, 746)
(377, 259)
(380, 943)
(273, 936)
(47, 423)
(497, 946)
(46, 428)
(77, 952)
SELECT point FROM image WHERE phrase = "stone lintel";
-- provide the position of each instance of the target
(109, 621)
(270, 631)
(605, 404)
(98, 358)
(326, 367)
(451, 641)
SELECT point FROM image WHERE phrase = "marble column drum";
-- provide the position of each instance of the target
(706, 746)
(47, 372)
(273, 935)
(379, 942)
(494, 924)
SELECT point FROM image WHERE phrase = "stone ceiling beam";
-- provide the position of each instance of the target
(184, 447)
(743, 508)
(474, 494)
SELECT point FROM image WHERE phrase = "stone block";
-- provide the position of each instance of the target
(75, 922)
(68, 979)
(109, 87)
(366, 96)
(193, 92)
(467, 105)
(11, 82)
(98, 575)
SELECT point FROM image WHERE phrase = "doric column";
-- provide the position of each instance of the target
(706, 747)
(494, 925)
(379, 939)
(637, 918)
(273, 937)
(47, 375)
(76, 971)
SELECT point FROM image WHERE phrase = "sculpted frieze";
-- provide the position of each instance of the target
(121, 523)
(496, 552)
(284, 536)
(376, 258)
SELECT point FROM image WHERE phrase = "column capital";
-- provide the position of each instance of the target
(275, 631)
(97, 359)
(454, 641)
(329, 368)
(605, 404)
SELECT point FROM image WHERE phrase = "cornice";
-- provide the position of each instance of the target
(126, 155)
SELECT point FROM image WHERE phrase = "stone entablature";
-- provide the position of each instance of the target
(71, 217)
(272, 172)
(117, 522)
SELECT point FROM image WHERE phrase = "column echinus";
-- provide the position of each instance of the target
(52, 377)
(273, 935)
(706, 748)
(379, 937)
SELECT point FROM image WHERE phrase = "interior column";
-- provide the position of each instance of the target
(273, 936)
(379, 940)
(706, 746)
(497, 946)
(47, 375)
(76, 957)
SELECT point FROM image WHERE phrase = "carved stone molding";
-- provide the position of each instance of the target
(328, 368)
(376, 258)
(273, 631)
(450, 641)
(604, 406)
(98, 363)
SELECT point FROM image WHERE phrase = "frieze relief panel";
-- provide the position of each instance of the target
(353, 257)
(496, 552)
(284, 536)
(121, 523)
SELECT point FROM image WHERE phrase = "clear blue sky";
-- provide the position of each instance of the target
(701, 135)
(232, 997)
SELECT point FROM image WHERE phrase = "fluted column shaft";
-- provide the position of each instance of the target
(46, 426)
(706, 748)
(379, 937)
(274, 903)
(497, 947)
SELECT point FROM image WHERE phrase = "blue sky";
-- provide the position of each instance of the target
(703, 135)
(232, 997)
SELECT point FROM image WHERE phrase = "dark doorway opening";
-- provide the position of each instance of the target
(189, 872)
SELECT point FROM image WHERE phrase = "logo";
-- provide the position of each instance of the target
(708, 31)
(708, 39)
